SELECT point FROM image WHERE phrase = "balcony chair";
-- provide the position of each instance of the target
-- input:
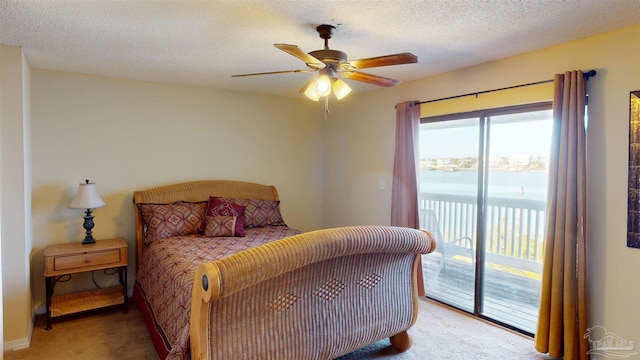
(459, 246)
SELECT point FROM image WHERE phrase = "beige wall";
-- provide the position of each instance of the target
(127, 135)
(15, 196)
(360, 145)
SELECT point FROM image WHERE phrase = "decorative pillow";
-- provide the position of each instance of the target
(218, 207)
(258, 212)
(167, 220)
(221, 226)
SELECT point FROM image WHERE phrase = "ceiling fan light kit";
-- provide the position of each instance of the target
(322, 85)
(333, 63)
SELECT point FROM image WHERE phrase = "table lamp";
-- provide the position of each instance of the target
(87, 198)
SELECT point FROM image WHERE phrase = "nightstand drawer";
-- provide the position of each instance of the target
(87, 260)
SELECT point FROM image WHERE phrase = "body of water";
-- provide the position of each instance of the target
(530, 185)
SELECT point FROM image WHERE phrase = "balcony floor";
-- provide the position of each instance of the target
(509, 298)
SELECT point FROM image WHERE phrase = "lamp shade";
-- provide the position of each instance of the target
(308, 90)
(340, 88)
(87, 197)
(322, 85)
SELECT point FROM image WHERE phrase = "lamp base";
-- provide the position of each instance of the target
(88, 240)
(88, 226)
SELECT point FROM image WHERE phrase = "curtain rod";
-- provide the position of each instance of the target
(587, 75)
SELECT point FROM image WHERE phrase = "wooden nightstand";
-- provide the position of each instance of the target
(62, 260)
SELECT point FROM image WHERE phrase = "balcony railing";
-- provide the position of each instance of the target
(514, 243)
(513, 229)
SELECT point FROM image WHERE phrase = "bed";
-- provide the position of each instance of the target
(247, 286)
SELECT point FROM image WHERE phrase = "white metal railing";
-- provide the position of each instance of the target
(514, 228)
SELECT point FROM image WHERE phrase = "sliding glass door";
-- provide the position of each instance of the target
(448, 203)
(483, 180)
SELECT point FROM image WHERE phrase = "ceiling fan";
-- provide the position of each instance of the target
(329, 63)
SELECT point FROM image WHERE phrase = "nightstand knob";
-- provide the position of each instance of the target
(87, 260)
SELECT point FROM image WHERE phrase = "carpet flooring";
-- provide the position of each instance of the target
(439, 333)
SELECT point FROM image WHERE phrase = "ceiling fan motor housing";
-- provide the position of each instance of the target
(329, 56)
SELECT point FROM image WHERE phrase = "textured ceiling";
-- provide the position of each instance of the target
(203, 43)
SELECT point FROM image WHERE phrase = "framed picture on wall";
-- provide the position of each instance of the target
(633, 202)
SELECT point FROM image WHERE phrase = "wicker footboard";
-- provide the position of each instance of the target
(317, 295)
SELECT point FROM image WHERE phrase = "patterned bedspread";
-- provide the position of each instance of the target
(165, 278)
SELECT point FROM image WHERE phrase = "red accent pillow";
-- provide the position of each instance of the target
(218, 207)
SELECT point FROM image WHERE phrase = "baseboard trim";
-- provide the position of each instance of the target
(20, 344)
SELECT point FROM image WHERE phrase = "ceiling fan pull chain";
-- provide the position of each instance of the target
(326, 107)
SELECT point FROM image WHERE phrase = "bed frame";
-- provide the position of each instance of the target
(316, 295)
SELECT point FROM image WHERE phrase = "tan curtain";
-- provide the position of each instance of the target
(562, 320)
(404, 193)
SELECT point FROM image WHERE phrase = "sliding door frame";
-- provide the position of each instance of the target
(484, 134)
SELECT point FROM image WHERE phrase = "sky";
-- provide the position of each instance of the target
(530, 137)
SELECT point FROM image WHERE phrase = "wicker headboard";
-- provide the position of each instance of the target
(194, 191)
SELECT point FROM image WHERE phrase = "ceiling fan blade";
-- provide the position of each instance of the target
(275, 72)
(297, 52)
(370, 79)
(395, 59)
